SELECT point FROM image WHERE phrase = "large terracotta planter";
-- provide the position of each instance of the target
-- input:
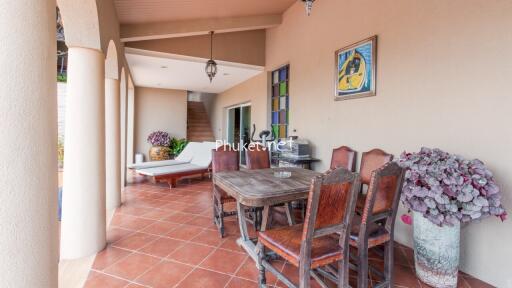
(436, 252)
(159, 153)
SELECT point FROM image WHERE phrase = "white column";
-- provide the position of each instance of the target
(112, 143)
(83, 228)
(28, 141)
(129, 126)
(123, 105)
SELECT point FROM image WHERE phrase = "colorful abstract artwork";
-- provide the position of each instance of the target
(355, 70)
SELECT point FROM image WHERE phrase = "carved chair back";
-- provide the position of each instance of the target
(224, 158)
(383, 196)
(371, 161)
(257, 157)
(330, 208)
(343, 157)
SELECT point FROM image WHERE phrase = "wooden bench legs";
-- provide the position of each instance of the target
(172, 182)
(172, 179)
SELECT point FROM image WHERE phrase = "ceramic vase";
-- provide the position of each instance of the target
(436, 252)
(159, 153)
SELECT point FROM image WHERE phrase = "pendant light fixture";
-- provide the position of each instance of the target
(211, 65)
(308, 5)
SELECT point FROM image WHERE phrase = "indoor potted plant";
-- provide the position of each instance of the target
(177, 145)
(160, 142)
(444, 190)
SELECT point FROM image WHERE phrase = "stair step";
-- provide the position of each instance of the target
(201, 135)
(192, 131)
(198, 123)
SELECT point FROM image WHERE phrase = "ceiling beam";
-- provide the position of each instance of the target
(173, 29)
(246, 47)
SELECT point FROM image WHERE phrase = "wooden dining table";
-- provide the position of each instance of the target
(262, 188)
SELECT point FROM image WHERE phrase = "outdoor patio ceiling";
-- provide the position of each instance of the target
(142, 11)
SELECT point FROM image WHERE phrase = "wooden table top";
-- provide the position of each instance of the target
(260, 187)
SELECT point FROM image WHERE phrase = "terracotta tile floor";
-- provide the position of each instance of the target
(165, 238)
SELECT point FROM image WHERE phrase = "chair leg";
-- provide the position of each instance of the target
(389, 263)
(214, 211)
(362, 269)
(262, 279)
(304, 275)
(218, 215)
(343, 273)
(303, 209)
(257, 218)
(221, 214)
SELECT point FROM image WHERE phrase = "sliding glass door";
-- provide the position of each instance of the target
(239, 128)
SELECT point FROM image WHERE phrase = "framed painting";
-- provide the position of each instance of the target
(355, 70)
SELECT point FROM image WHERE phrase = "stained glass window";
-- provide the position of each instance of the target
(280, 101)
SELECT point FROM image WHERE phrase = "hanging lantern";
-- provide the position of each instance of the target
(211, 65)
(211, 69)
(308, 5)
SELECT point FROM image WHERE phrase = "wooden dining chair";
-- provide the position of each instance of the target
(370, 161)
(224, 158)
(376, 224)
(344, 157)
(323, 239)
(257, 157)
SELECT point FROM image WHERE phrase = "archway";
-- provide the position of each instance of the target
(81, 22)
(130, 123)
(112, 129)
(124, 89)
(83, 223)
(112, 62)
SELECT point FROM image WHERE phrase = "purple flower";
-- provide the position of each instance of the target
(159, 138)
(447, 188)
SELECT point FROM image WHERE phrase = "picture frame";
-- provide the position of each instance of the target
(355, 70)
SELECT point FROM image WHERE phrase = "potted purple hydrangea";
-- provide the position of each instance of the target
(444, 190)
(160, 142)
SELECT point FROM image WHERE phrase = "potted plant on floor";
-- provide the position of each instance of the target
(177, 145)
(444, 190)
(160, 142)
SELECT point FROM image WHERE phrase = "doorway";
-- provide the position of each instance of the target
(238, 128)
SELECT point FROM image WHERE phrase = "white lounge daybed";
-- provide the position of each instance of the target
(199, 165)
(184, 157)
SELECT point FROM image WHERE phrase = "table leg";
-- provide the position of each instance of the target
(244, 235)
(289, 213)
(245, 241)
(265, 216)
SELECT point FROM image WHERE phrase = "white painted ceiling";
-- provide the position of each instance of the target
(161, 70)
(141, 11)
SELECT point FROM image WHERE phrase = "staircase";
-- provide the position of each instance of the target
(198, 123)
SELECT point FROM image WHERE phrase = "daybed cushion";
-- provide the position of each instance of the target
(166, 170)
(203, 157)
(190, 150)
(152, 164)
